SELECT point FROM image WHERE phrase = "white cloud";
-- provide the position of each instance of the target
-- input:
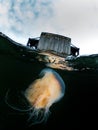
(78, 19)
(24, 17)
(4, 7)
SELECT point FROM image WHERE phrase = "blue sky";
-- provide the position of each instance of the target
(77, 19)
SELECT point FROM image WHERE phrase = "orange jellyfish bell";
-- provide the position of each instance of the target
(43, 92)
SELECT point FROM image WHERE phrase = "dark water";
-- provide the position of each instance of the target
(78, 108)
(18, 69)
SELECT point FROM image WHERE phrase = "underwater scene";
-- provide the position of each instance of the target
(36, 94)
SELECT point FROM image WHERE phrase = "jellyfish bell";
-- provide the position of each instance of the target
(43, 92)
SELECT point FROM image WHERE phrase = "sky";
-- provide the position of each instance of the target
(77, 19)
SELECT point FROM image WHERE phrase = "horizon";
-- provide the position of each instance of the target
(25, 43)
(78, 20)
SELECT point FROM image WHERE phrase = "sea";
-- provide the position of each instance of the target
(78, 109)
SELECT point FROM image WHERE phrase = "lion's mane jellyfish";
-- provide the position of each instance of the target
(43, 92)
(40, 95)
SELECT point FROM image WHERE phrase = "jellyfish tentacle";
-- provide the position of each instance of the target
(38, 116)
(12, 106)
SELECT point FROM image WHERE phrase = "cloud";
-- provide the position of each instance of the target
(24, 17)
(78, 19)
